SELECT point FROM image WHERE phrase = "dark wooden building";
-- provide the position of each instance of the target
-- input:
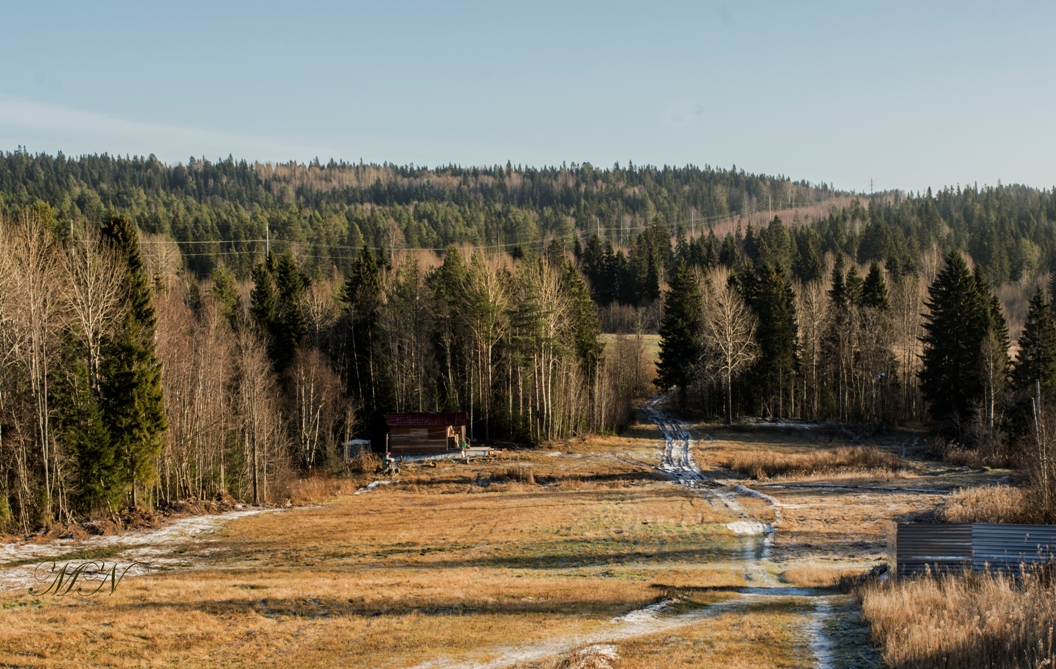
(411, 433)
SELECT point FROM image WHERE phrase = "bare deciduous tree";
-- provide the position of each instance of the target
(93, 294)
(729, 333)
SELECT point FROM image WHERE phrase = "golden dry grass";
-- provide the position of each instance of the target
(455, 562)
(764, 465)
(450, 562)
(819, 575)
(989, 504)
(963, 622)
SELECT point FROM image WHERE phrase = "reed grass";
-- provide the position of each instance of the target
(763, 465)
(972, 621)
(989, 504)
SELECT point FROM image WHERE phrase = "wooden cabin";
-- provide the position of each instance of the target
(425, 433)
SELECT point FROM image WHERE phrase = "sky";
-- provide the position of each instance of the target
(888, 95)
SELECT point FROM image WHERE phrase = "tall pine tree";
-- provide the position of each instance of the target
(770, 296)
(1036, 359)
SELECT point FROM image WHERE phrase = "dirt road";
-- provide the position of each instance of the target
(756, 537)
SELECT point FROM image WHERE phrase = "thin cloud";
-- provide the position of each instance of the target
(45, 127)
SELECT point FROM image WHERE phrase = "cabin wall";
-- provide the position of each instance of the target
(418, 439)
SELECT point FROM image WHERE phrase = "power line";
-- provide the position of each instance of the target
(757, 207)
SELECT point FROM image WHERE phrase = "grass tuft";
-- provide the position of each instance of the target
(763, 465)
(990, 504)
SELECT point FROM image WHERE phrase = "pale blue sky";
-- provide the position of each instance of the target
(908, 94)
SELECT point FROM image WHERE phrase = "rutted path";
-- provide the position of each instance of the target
(755, 540)
(18, 561)
(755, 537)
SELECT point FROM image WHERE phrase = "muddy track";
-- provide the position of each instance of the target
(755, 537)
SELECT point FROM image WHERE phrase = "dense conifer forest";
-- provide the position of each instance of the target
(208, 329)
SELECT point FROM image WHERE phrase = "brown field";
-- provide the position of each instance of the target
(522, 560)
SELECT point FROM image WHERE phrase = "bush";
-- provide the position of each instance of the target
(364, 463)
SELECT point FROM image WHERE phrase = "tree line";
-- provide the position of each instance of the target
(127, 380)
(864, 346)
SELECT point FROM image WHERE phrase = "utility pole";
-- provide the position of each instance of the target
(1039, 434)
(267, 239)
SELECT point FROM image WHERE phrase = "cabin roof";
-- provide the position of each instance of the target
(425, 419)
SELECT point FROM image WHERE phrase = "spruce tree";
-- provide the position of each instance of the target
(770, 296)
(1037, 350)
(680, 331)
(97, 472)
(874, 290)
(808, 265)
(133, 399)
(263, 305)
(225, 292)
(290, 325)
(584, 322)
(838, 289)
(951, 378)
(445, 285)
(363, 295)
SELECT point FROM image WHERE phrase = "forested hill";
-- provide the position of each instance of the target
(333, 209)
(220, 210)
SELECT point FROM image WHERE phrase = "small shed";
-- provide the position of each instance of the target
(425, 432)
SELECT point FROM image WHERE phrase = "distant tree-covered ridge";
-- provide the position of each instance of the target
(332, 209)
(219, 212)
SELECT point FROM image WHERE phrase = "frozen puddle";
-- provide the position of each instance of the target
(642, 615)
(143, 546)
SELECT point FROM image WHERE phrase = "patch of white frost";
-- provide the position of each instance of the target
(820, 643)
(373, 485)
(144, 546)
(748, 527)
(645, 614)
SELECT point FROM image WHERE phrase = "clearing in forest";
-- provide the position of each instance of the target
(641, 550)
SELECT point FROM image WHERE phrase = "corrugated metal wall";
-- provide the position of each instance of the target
(919, 546)
(1009, 546)
(942, 547)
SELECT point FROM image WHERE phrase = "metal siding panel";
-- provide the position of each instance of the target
(940, 547)
(1007, 547)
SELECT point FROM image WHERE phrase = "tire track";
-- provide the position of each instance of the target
(677, 462)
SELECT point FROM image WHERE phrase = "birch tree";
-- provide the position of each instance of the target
(729, 333)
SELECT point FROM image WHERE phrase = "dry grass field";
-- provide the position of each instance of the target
(582, 555)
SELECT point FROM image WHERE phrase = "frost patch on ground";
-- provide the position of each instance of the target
(144, 546)
(627, 626)
(372, 486)
(748, 527)
(642, 615)
(820, 644)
